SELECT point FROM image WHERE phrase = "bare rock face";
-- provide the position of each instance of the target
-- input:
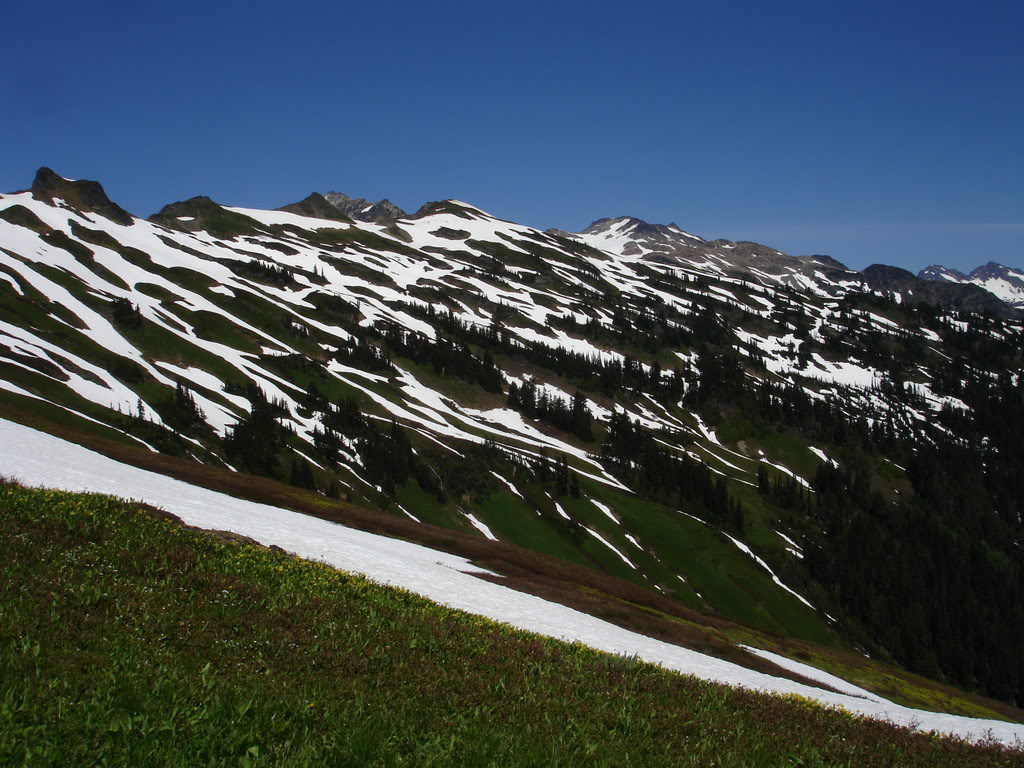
(382, 211)
(85, 196)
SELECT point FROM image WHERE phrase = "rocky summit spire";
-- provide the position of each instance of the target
(81, 195)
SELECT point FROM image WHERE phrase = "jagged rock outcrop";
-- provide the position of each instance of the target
(363, 210)
(81, 195)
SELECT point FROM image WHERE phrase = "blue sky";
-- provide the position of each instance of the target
(872, 132)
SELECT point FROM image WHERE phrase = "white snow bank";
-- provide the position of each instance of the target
(610, 546)
(480, 526)
(748, 551)
(813, 673)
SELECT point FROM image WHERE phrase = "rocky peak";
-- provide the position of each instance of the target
(994, 271)
(363, 210)
(641, 230)
(670, 244)
(80, 195)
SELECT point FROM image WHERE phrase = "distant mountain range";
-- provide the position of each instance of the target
(630, 236)
(1004, 282)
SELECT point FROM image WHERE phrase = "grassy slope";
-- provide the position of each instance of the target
(633, 607)
(127, 639)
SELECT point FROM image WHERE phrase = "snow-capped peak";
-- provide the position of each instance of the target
(640, 230)
(938, 272)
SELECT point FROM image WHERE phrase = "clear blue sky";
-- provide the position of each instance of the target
(869, 131)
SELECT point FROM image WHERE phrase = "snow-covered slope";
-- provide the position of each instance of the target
(633, 399)
(759, 264)
(37, 458)
(204, 280)
(630, 236)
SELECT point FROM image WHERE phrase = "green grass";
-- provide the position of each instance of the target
(54, 392)
(615, 601)
(126, 639)
(41, 414)
(729, 581)
(789, 450)
(512, 519)
(158, 343)
(424, 506)
(465, 393)
(338, 238)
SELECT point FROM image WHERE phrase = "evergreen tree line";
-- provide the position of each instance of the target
(935, 580)
(389, 461)
(258, 440)
(446, 357)
(263, 271)
(572, 416)
(633, 453)
(611, 376)
(649, 329)
(365, 355)
(255, 441)
(126, 314)
(372, 350)
(386, 453)
(930, 580)
(182, 413)
(722, 381)
(162, 437)
(784, 490)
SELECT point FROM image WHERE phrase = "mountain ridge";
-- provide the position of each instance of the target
(731, 439)
(641, 238)
(1006, 283)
